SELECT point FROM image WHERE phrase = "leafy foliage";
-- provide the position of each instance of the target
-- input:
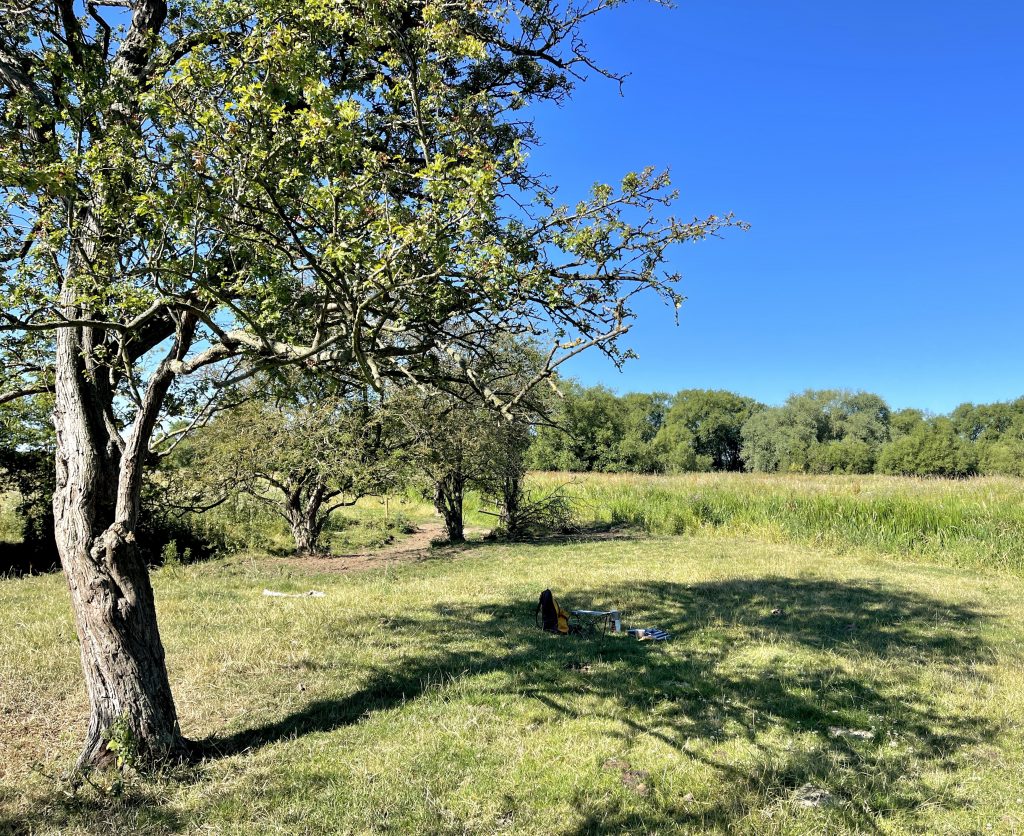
(702, 430)
(816, 431)
(932, 449)
(303, 458)
(305, 183)
(458, 444)
(594, 430)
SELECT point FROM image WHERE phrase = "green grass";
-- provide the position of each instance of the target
(421, 699)
(978, 523)
(11, 524)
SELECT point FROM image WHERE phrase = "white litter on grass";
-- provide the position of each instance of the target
(313, 593)
(811, 796)
(860, 734)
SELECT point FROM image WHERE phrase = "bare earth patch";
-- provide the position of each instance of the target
(410, 549)
(419, 546)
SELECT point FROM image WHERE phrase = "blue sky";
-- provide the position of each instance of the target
(877, 149)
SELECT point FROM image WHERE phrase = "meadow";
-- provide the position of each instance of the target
(847, 656)
(976, 522)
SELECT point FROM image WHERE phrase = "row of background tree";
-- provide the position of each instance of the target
(816, 431)
(303, 448)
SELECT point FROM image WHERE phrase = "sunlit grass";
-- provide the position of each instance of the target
(833, 638)
(421, 698)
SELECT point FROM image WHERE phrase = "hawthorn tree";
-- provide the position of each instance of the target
(303, 457)
(194, 191)
(458, 442)
(452, 448)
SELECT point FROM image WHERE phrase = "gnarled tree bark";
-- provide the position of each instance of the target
(96, 509)
(305, 520)
(449, 492)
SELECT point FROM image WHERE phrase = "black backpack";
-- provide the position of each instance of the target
(549, 615)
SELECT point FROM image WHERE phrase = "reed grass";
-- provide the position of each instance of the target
(977, 523)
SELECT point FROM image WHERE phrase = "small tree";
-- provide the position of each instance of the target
(503, 473)
(478, 449)
(303, 459)
(459, 443)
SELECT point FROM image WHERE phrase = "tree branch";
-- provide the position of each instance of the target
(25, 392)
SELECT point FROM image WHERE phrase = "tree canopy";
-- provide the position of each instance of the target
(815, 431)
(822, 431)
(193, 192)
(710, 422)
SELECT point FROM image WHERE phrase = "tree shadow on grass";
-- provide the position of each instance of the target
(136, 808)
(726, 677)
(698, 688)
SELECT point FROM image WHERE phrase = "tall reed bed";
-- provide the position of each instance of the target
(978, 522)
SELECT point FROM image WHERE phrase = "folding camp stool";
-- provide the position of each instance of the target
(594, 621)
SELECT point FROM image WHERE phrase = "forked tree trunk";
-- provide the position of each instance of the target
(304, 520)
(96, 506)
(449, 492)
(306, 532)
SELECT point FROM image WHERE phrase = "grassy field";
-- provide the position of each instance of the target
(814, 684)
(977, 523)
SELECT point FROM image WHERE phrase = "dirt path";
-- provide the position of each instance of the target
(409, 549)
(416, 547)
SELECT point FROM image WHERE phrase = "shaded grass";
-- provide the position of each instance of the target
(977, 523)
(11, 525)
(422, 699)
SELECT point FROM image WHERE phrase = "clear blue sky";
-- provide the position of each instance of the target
(876, 148)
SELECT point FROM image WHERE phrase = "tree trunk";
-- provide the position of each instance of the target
(95, 506)
(448, 496)
(305, 523)
(512, 503)
(305, 534)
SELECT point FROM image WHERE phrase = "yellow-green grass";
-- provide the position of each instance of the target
(421, 699)
(977, 522)
(11, 524)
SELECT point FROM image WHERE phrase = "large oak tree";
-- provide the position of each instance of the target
(192, 191)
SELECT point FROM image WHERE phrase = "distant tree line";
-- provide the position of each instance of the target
(816, 431)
